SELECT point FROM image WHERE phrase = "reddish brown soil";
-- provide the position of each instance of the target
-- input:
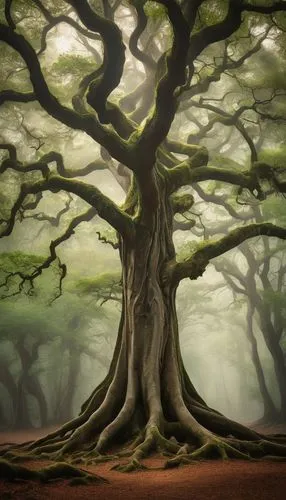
(209, 480)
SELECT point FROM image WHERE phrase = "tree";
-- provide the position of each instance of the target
(270, 318)
(147, 396)
(45, 347)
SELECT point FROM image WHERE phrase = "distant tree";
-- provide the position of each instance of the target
(262, 282)
(29, 328)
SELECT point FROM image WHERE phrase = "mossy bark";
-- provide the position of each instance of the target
(147, 401)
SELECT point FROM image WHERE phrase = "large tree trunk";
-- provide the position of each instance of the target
(147, 395)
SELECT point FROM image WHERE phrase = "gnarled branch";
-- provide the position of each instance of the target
(195, 265)
(106, 209)
(87, 122)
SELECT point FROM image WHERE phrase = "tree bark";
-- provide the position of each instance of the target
(270, 414)
(147, 399)
(276, 351)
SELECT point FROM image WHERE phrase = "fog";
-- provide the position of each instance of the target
(56, 344)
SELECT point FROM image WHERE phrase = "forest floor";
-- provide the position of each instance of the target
(208, 480)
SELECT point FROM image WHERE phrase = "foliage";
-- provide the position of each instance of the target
(24, 318)
(100, 285)
(274, 157)
(19, 261)
(213, 12)
(73, 65)
(273, 208)
(154, 10)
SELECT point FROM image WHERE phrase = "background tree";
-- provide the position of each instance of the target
(42, 349)
(147, 394)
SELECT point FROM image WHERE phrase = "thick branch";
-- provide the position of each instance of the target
(42, 165)
(134, 39)
(54, 20)
(88, 123)
(113, 61)
(195, 266)
(216, 32)
(160, 121)
(194, 170)
(106, 209)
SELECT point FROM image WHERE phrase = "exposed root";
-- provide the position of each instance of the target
(212, 448)
(55, 472)
(154, 441)
(131, 466)
(187, 438)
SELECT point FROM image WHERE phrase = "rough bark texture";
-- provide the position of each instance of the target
(147, 400)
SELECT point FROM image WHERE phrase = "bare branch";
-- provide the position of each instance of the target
(55, 20)
(30, 278)
(12, 95)
(227, 65)
(222, 201)
(232, 21)
(42, 217)
(134, 38)
(9, 19)
(106, 209)
(263, 9)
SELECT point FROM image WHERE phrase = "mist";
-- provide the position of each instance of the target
(57, 335)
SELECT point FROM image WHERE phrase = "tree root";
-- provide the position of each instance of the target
(189, 437)
(55, 472)
(213, 448)
(131, 466)
(154, 441)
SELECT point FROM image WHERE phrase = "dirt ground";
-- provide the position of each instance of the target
(211, 480)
